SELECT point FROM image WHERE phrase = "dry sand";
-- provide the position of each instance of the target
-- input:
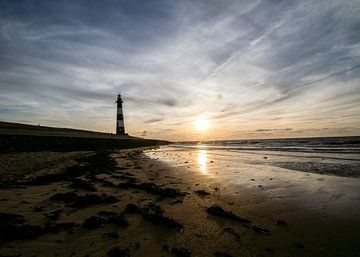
(131, 205)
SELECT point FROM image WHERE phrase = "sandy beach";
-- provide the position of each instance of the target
(173, 202)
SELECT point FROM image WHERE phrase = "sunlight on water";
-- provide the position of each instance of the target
(202, 160)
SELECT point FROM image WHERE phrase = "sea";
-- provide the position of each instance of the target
(339, 156)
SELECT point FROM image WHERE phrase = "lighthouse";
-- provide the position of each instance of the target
(120, 128)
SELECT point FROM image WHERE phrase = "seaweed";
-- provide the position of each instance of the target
(233, 233)
(154, 214)
(13, 227)
(80, 201)
(261, 230)
(105, 217)
(220, 212)
(177, 251)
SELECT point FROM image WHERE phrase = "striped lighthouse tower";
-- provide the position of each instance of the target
(120, 128)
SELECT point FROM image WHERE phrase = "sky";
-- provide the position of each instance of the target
(251, 69)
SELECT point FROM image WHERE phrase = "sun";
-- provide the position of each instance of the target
(202, 124)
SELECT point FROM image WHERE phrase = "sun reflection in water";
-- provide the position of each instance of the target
(202, 159)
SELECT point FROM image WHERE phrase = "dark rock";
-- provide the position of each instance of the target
(220, 212)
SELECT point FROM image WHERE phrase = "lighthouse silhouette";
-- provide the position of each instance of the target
(120, 127)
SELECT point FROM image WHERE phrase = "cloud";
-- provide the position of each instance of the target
(267, 130)
(254, 64)
(154, 120)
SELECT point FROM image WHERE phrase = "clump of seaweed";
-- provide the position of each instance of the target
(100, 162)
(261, 230)
(220, 212)
(154, 214)
(177, 251)
(13, 227)
(80, 201)
(105, 217)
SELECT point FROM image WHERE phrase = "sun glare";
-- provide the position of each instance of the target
(202, 124)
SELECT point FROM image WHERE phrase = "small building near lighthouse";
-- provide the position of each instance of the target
(120, 126)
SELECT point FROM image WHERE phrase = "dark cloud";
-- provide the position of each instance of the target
(154, 120)
(271, 130)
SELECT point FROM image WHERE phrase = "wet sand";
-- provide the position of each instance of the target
(128, 203)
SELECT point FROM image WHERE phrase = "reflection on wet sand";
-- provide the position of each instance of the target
(202, 160)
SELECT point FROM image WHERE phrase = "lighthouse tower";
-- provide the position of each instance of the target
(120, 128)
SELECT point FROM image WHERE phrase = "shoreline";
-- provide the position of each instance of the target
(126, 203)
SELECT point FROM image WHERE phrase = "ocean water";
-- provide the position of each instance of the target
(342, 145)
(339, 156)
